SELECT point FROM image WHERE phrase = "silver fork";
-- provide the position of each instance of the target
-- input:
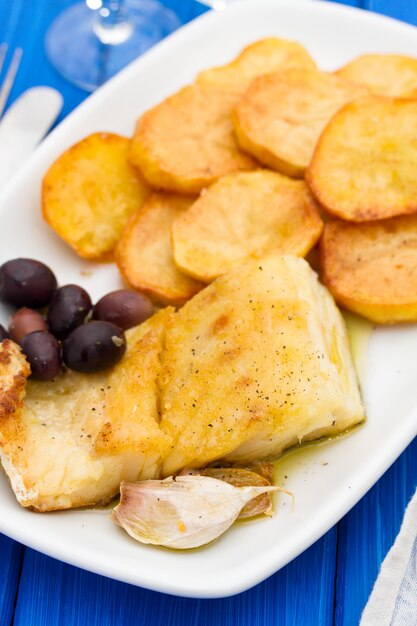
(10, 76)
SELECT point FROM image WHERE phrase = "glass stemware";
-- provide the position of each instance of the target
(93, 40)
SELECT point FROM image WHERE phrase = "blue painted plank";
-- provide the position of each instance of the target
(405, 10)
(186, 10)
(53, 594)
(352, 3)
(24, 23)
(10, 566)
(367, 533)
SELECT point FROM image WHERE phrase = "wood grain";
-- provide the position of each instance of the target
(52, 593)
(368, 532)
(10, 566)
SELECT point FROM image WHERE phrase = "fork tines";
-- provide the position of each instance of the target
(10, 76)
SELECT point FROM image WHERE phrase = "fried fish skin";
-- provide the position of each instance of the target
(89, 193)
(365, 162)
(75, 438)
(253, 364)
(280, 117)
(144, 253)
(392, 75)
(243, 216)
(371, 268)
(260, 57)
(186, 142)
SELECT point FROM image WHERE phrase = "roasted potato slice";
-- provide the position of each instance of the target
(281, 115)
(144, 253)
(364, 167)
(261, 57)
(385, 74)
(89, 193)
(244, 216)
(371, 268)
(187, 142)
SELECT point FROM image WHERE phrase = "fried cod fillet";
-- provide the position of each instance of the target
(74, 439)
(255, 363)
(14, 370)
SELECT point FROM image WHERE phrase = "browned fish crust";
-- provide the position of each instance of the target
(14, 370)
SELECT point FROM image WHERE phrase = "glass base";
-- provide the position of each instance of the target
(75, 50)
(217, 5)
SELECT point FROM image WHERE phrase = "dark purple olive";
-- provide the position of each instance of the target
(3, 333)
(124, 308)
(25, 321)
(25, 282)
(43, 353)
(69, 307)
(94, 347)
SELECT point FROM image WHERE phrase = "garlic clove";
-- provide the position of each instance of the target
(241, 477)
(182, 512)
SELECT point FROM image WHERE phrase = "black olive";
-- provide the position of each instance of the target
(124, 308)
(69, 307)
(94, 347)
(43, 353)
(26, 282)
(25, 321)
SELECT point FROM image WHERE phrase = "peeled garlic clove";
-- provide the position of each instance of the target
(183, 512)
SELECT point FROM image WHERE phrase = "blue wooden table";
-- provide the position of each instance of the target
(328, 584)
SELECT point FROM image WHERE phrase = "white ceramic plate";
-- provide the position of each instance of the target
(328, 480)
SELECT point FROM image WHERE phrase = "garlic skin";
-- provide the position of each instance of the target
(182, 512)
(241, 477)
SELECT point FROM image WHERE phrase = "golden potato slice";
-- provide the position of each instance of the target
(365, 164)
(187, 142)
(144, 253)
(371, 268)
(385, 74)
(89, 193)
(281, 116)
(261, 57)
(245, 216)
